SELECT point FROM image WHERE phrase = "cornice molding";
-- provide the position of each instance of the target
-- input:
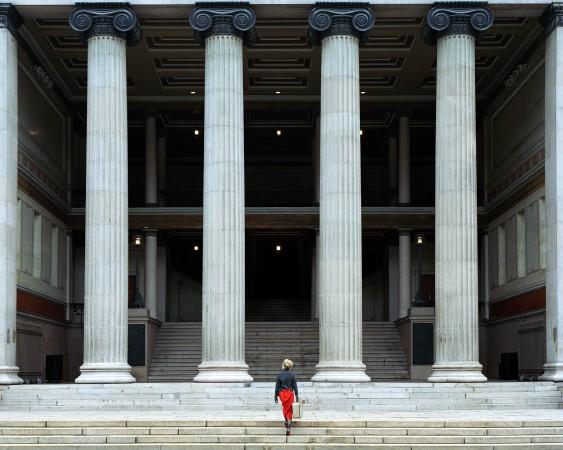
(230, 19)
(456, 18)
(341, 19)
(552, 17)
(10, 18)
(106, 19)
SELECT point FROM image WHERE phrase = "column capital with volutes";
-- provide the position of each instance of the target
(106, 19)
(340, 19)
(456, 18)
(552, 17)
(9, 18)
(231, 19)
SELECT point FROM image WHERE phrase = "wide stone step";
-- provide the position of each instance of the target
(255, 434)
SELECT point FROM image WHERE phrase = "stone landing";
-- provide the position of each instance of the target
(258, 397)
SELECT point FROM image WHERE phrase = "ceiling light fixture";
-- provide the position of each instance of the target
(196, 132)
(278, 248)
(278, 92)
(362, 92)
(278, 132)
(196, 248)
(193, 92)
(361, 132)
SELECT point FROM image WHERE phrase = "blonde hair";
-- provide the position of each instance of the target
(287, 364)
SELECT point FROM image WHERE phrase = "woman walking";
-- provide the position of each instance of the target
(286, 389)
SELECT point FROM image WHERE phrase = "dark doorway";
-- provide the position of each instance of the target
(278, 277)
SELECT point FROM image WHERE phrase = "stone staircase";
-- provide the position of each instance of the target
(177, 350)
(199, 398)
(269, 434)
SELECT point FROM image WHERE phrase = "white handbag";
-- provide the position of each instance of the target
(297, 410)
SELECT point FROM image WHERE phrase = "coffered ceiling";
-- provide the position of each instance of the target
(166, 69)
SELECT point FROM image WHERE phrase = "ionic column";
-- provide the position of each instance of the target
(553, 21)
(455, 27)
(405, 286)
(10, 20)
(107, 32)
(223, 29)
(340, 255)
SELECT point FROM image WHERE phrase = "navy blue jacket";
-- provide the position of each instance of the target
(286, 380)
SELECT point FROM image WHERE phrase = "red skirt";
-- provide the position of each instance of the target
(286, 397)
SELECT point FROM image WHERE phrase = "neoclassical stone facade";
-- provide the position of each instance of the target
(227, 32)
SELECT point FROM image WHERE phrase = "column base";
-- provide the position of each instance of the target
(341, 373)
(552, 372)
(457, 373)
(9, 375)
(223, 373)
(105, 373)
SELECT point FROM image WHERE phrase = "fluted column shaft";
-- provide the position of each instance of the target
(223, 209)
(553, 368)
(106, 229)
(9, 20)
(457, 326)
(340, 288)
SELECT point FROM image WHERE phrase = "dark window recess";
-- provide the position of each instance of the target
(422, 344)
(508, 367)
(54, 368)
(136, 345)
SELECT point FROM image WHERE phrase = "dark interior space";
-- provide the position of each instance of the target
(278, 277)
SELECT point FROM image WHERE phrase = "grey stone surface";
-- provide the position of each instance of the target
(107, 225)
(340, 233)
(553, 369)
(223, 214)
(456, 326)
(8, 200)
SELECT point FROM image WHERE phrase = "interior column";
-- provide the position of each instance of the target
(151, 199)
(340, 231)
(107, 31)
(553, 20)
(223, 29)
(455, 28)
(9, 22)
